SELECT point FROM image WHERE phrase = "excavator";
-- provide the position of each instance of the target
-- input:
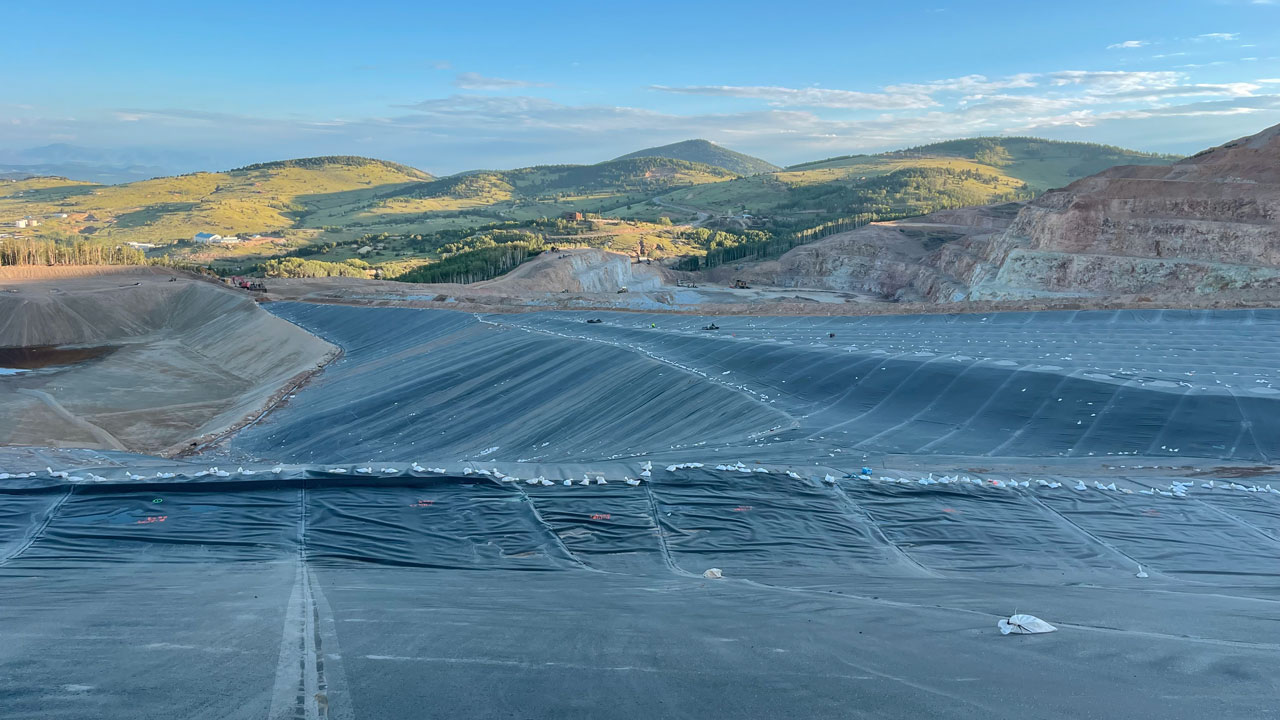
(247, 284)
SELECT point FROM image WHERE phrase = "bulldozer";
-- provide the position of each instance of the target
(740, 285)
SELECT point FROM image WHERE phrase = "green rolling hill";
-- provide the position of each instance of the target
(917, 180)
(381, 213)
(707, 153)
(266, 198)
(1042, 164)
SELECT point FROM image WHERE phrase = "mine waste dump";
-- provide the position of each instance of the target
(530, 515)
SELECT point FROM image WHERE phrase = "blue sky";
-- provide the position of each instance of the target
(454, 86)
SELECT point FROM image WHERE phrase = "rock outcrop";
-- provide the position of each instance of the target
(1206, 225)
(932, 257)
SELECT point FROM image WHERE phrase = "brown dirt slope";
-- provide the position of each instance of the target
(577, 270)
(1203, 229)
(917, 259)
(191, 359)
(1207, 224)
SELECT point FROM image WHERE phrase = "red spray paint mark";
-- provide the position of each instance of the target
(152, 519)
(423, 503)
(742, 508)
(601, 516)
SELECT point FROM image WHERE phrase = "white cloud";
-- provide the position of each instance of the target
(476, 81)
(810, 97)
(1087, 118)
(475, 128)
(1115, 81)
(967, 84)
(1218, 36)
(1128, 45)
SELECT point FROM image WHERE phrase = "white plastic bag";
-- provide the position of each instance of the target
(713, 574)
(1024, 625)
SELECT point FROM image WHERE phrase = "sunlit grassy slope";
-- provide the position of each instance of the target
(336, 198)
(338, 203)
(985, 169)
(257, 199)
(488, 196)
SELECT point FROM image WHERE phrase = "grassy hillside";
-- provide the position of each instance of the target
(917, 185)
(357, 212)
(521, 195)
(331, 161)
(554, 181)
(326, 208)
(949, 174)
(1042, 164)
(267, 198)
(707, 153)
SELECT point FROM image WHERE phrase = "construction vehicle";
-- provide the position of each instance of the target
(247, 284)
(740, 285)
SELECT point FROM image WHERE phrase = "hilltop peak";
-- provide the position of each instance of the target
(322, 161)
(707, 153)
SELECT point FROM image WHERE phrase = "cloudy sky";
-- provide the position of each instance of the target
(498, 85)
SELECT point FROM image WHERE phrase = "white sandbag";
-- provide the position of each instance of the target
(1024, 625)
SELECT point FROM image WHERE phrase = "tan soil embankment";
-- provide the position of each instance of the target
(380, 293)
(192, 358)
(23, 273)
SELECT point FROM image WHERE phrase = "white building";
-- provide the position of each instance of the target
(20, 224)
(205, 238)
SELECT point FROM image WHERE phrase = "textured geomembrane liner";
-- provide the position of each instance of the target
(323, 588)
(550, 387)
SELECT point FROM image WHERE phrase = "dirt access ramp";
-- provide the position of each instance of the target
(175, 359)
(579, 270)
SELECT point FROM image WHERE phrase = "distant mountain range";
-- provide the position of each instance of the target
(343, 198)
(707, 153)
(97, 165)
